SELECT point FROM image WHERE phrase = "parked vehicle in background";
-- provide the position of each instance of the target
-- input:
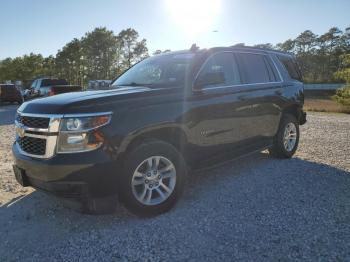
(26, 94)
(166, 114)
(51, 86)
(99, 84)
(10, 93)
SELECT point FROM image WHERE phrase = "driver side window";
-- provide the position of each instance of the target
(150, 73)
(33, 84)
(220, 70)
(37, 85)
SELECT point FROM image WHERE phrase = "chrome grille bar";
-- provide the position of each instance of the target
(49, 134)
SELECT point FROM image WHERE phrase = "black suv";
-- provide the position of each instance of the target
(165, 115)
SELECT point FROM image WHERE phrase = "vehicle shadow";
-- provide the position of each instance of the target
(7, 114)
(245, 196)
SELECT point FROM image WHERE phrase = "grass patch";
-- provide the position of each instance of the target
(342, 96)
(322, 101)
(325, 105)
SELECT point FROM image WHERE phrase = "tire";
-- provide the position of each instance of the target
(141, 175)
(283, 145)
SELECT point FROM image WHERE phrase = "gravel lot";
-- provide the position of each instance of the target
(256, 208)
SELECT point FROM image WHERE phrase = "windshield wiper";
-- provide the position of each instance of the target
(135, 84)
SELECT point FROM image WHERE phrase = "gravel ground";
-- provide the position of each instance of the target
(255, 208)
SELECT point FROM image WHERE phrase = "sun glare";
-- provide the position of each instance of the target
(194, 16)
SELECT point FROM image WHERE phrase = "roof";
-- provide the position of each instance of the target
(251, 48)
(229, 48)
(180, 52)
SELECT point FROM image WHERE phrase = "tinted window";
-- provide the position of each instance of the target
(34, 84)
(158, 71)
(37, 84)
(7, 87)
(220, 70)
(53, 82)
(255, 68)
(291, 66)
(272, 70)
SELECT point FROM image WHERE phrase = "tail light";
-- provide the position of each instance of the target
(51, 92)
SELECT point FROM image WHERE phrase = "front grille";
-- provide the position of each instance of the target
(34, 122)
(32, 145)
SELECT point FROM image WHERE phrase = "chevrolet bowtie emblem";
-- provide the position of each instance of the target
(20, 131)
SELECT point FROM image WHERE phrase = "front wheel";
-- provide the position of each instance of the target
(287, 138)
(153, 178)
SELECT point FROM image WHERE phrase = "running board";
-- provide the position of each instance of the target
(232, 159)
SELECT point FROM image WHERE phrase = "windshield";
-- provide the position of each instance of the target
(159, 71)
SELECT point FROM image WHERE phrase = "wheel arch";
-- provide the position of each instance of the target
(295, 110)
(174, 135)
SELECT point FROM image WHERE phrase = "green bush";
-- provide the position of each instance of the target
(342, 95)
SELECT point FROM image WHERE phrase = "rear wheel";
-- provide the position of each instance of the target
(153, 178)
(287, 139)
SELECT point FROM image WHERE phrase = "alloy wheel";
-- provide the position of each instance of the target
(290, 137)
(153, 180)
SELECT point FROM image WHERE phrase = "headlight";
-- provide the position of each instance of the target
(84, 123)
(81, 134)
(73, 124)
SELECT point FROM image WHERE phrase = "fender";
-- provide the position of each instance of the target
(175, 133)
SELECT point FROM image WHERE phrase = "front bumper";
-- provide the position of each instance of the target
(79, 175)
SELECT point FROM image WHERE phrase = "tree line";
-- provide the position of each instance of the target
(102, 54)
(320, 57)
(99, 54)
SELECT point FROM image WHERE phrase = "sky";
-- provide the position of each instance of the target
(45, 26)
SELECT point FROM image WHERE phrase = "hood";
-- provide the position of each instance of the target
(79, 102)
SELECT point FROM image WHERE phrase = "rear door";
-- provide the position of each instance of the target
(262, 90)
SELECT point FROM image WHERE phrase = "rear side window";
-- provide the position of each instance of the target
(7, 87)
(292, 67)
(219, 70)
(255, 68)
(53, 82)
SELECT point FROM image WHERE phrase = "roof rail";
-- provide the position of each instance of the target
(194, 48)
(261, 48)
(238, 45)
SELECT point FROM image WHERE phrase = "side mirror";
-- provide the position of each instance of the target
(210, 78)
